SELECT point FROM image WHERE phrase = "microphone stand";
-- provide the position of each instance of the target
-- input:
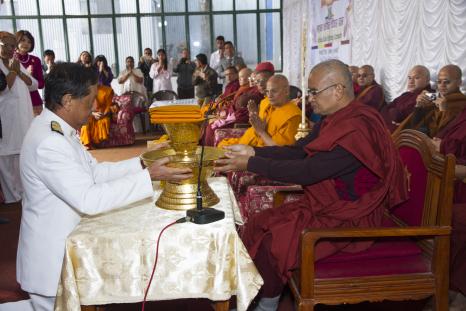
(200, 215)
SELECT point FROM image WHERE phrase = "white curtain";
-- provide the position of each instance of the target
(392, 36)
(292, 28)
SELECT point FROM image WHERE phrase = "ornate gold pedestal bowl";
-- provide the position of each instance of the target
(182, 195)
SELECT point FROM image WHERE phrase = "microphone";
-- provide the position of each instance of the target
(200, 215)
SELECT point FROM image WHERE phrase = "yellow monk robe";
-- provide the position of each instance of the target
(282, 125)
(96, 131)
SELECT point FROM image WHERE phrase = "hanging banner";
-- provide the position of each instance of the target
(330, 30)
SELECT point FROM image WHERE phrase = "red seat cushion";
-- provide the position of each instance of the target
(382, 258)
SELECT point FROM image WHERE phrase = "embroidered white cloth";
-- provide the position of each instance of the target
(109, 257)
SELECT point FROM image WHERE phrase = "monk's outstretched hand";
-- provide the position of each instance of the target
(160, 171)
(232, 163)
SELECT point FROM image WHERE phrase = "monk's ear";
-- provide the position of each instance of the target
(339, 91)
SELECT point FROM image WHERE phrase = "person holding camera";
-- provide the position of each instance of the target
(433, 112)
(185, 70)
(403, 105)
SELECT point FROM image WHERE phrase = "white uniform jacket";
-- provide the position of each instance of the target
(62, 181)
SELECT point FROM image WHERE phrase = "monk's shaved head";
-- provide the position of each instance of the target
(330, 87)
(354, 72)
(449, 80)
(335, 71)
(243, 76)
(453, 71)
(367, 68)
(418, 78)
(365, 75)
(278, 90)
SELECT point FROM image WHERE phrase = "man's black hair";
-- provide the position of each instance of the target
(202, 58)
(67, 78)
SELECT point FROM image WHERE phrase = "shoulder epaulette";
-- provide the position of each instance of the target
(55, 126)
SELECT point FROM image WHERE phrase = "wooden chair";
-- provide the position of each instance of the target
(409, 258)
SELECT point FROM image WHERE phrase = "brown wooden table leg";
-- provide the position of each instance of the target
(222, 305)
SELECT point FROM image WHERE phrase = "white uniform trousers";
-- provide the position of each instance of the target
(10, 178)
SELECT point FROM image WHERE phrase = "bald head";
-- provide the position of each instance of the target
(365, 75)
(335, 71)
(449, 80)
(330, 87)
(243, 76)
(278, 90)
(418, 78)
(8, 45)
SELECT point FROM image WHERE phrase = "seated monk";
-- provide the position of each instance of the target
(370, 92)
(354, 74)
(231, 78)
(452, 140)
(403, 105)
(237, 110)
(98, 126)
(348, 176)
(430, 115)
(275, 122)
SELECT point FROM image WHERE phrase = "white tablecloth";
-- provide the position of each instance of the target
(109, 257)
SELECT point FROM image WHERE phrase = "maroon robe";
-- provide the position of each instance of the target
(372, 95)
(454, 141)
(453, 138)
(401, 107)
(239, 108)
(361, 132)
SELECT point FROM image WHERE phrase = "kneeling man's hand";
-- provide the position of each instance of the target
(159, 171)
(232, 163)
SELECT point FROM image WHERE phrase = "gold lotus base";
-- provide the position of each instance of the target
(182, 195)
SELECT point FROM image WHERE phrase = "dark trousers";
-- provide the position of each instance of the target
(184, 93)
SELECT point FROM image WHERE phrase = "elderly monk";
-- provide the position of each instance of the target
(403, 105)
(237, 110)
(370, 93)
(274, 123)
(354, 74)
(97, 128)
(452, 139)
(431, 115)
(349, 168)
(231, 78)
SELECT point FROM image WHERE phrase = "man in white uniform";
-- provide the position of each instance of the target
(62, 181)
(16, 116)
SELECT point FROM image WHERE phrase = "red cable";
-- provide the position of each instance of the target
(155, 262)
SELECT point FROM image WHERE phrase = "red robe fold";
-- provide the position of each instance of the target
(361, 131)
(453, 138)
(401, 107)
(372, 95)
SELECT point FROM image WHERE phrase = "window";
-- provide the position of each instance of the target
(121, 28)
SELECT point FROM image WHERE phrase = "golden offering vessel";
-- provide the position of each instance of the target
(185, 152)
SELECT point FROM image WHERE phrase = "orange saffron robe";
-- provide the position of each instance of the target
(97, 131)
(282, 125)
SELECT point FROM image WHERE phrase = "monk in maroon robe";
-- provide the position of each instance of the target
(452, 140)
(395, 112)
(431, 116)
(234, 110)
(370, 92)
(348, 166)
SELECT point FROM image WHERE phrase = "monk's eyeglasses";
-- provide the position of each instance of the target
(315, 92)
